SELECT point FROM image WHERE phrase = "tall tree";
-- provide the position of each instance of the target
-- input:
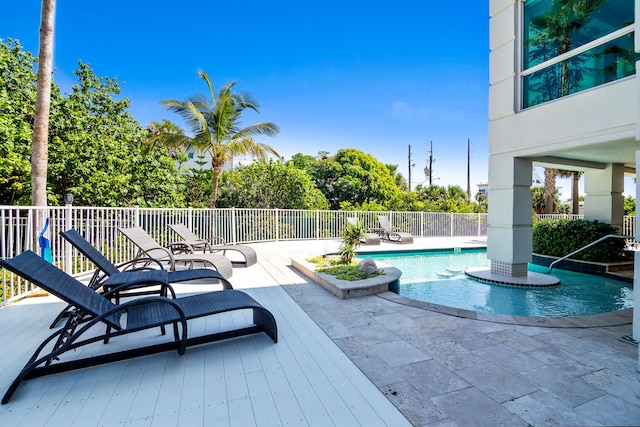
(550, 175)
(39, 152)
(397, 177)
(18, 89)
(165, 134)
(94, 150)
(575, 196)
(215, 125)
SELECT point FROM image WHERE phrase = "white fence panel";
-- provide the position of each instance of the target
(100, 227)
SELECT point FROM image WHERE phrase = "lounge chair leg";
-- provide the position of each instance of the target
(263, 318)
(62, 315)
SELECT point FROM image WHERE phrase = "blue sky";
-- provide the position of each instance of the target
(376, 76)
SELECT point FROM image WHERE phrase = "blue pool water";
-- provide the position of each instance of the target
(438, 277)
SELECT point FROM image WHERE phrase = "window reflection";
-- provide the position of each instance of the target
(556, 27)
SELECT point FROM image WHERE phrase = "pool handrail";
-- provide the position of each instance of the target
(617, 236)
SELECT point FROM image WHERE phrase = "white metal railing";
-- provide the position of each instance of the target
(100, 227)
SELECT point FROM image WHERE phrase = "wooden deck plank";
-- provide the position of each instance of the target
(145, 401)
(286, 403)
(106, 382)
(192, 391)
(243, 381)
(215, 390)
(126, 387)
(339, 371)
(262, 403)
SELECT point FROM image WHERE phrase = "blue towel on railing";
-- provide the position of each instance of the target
(45, 244)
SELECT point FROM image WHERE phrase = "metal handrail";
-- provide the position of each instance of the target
(617, 236)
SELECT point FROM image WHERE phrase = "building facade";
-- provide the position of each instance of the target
(563, 94)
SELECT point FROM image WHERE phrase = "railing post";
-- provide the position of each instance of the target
(136, 216)
(190, 218)
(234, 238)
(317, 224)
(451, 224)
(68, 224)
(277, 225)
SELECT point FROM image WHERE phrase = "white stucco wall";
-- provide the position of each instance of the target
(604, 114)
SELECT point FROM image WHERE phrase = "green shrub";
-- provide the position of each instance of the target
(560, 237)
(336, 267)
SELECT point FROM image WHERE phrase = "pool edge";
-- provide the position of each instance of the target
(611, 318)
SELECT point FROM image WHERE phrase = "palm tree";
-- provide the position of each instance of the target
(39, 145)
(215, 127)
(550, 175)
(401, 183)
(575, 197)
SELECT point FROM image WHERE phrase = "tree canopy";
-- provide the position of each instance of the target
(94, 143)
(269, 185)
(214, 122)
(350, 176)
(102, 155)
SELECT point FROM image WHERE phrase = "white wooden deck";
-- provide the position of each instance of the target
(304, 379)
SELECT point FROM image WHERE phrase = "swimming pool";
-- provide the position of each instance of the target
(438, 277)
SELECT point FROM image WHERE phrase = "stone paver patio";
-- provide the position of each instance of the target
(444, 370)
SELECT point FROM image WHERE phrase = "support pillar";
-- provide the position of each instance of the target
(636, 272)
(509, 241)
(604, 201)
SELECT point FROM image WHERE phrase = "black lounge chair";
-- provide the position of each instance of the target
(176, 252)
(217, 244)
(139, 281)
(141, 313)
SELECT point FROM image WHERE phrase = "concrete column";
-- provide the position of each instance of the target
(604, 201)
(509, 244)
(636, 272)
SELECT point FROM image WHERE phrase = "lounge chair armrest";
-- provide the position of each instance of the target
(166, 251)
(217, 240)
(130, 265)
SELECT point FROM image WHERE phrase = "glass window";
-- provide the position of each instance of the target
(557, 27)
(608, 62)
(554, 27)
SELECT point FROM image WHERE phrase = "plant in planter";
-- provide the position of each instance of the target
(351, 236)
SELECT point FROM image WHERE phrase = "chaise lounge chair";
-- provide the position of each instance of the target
(370, 238)
(133, 316)
(176, 252)
(392, 234)
(216, 244)
(144, 280)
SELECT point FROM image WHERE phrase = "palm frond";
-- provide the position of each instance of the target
(264, 128)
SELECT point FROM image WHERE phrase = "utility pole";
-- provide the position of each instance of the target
(428, 171)
(469, 168)
(411, 165)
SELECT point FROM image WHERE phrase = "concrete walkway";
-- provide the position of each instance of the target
(444, 370)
